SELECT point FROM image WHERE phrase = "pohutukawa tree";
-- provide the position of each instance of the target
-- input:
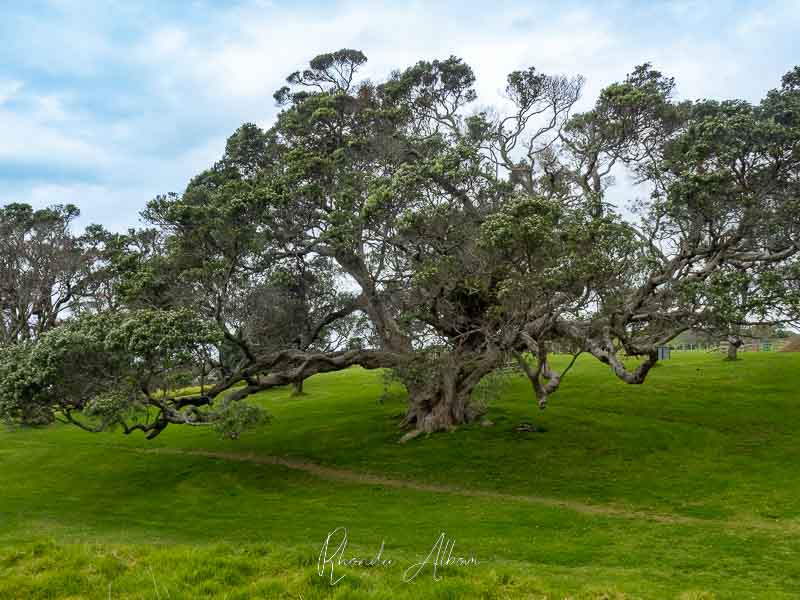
(47, 272)
(392, 226)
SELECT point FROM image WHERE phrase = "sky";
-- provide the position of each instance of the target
(106, 104)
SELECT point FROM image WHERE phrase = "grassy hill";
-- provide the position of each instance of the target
(686, 487)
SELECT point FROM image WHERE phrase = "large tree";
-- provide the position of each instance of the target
(461, 239)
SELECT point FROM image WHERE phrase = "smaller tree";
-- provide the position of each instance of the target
(45, 270)
(739, 301)
(129, 362)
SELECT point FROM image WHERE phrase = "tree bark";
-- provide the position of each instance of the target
(441, 400)
(442, 407)
(734, 341)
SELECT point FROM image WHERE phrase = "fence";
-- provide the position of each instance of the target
(754, 345)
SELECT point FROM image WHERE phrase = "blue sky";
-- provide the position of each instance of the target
(106, 104)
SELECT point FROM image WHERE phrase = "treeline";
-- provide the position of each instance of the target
(393, 225)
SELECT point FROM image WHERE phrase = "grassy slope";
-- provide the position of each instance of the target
(706, 441)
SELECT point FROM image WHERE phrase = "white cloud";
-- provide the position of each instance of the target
(187, 83)
(8, 90)
(116, 208)
(28, 138)
(755, 23)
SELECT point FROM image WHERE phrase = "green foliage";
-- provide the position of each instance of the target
(100, 365)
(238, 417)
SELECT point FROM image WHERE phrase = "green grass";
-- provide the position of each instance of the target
(686, 487)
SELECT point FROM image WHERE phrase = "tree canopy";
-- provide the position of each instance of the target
(392, 225)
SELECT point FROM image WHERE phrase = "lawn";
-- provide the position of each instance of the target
(685, 487)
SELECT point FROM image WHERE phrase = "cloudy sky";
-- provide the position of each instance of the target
(106, 104)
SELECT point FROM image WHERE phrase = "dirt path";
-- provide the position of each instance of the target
(347, 475)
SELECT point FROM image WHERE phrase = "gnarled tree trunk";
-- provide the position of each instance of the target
(440, 400)
(734, 342)
(440, 406)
